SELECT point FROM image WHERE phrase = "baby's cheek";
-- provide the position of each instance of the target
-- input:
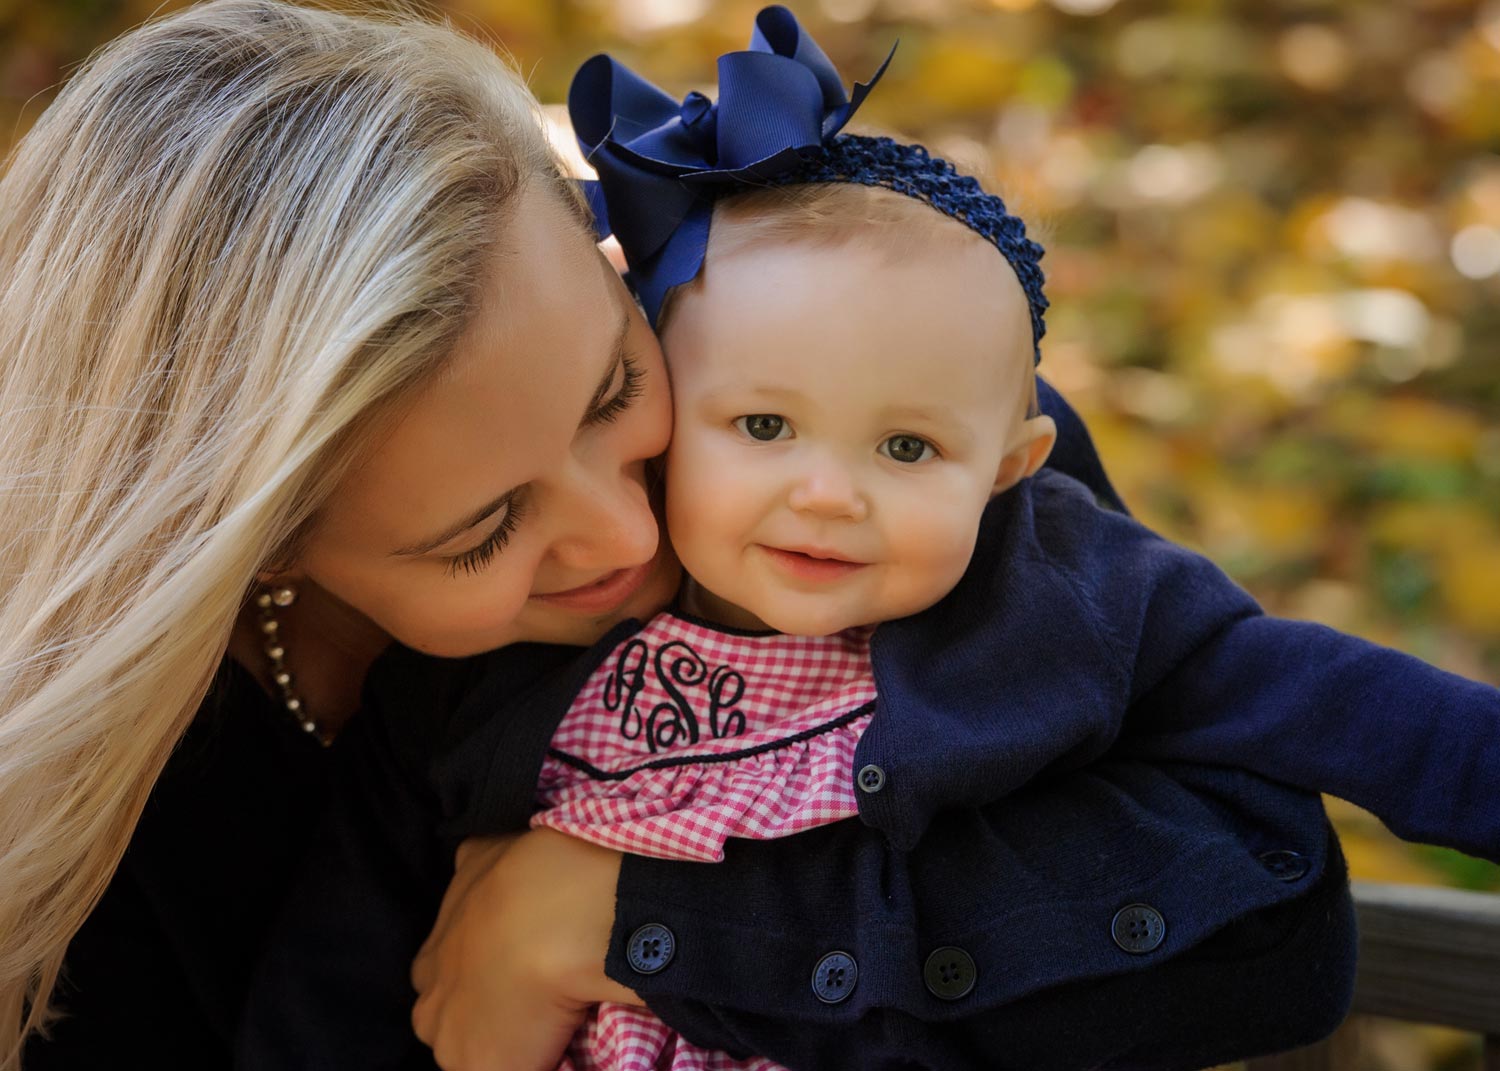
(938, 558)
(683, 519)
(702, 507)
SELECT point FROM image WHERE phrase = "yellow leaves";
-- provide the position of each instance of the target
(1408, 427)
(1234, 225)
(1047, 81)
(963, 74)
(1285, 522)
(1371, 859)
(1461, 543)
(1469, 581)
(521, 16)
(1298, 342)
(1432, 526)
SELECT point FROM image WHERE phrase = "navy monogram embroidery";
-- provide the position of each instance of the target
(623, 685)
(677, 669)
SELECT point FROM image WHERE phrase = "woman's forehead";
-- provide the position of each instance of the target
(509, 401)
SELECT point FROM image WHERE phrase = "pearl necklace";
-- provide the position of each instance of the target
(267, 603)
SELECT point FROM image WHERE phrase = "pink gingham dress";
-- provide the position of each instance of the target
(687, 735)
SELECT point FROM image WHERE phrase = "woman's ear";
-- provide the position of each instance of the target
(278, 573)
(1032, 446)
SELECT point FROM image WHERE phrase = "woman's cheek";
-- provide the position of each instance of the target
(476, 613)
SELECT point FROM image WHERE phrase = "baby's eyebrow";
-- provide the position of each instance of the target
(930, 414)
(951, 428)
(753, 394)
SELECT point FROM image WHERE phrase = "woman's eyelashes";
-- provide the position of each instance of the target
(472, 561)
(631, 387)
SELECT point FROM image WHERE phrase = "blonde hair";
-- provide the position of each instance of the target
(831, 213)
(237, 236)
(825, 214)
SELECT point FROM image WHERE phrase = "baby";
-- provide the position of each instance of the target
(895, 613)
(853, 382)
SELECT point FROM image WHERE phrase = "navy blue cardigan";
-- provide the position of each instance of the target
(1066, 734)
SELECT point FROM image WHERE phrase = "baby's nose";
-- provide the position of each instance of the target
(829, 491)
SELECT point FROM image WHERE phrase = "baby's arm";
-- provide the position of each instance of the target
(1305, 704)
(1418, 747)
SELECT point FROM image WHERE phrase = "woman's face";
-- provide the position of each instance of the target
(509, 500)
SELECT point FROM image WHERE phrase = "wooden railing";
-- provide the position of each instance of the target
(1425, 955)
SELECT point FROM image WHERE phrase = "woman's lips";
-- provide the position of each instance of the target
(814, 567)
(604, 594)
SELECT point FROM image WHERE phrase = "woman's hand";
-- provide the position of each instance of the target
(517, 954)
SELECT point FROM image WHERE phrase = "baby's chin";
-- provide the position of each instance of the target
(812, 621)
(807, 618)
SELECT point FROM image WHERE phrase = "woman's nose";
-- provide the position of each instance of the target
(607, 521)
(828, 490)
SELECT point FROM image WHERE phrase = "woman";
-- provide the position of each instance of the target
(247, 246)
(308, 348)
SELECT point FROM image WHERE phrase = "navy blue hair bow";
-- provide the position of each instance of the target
(661, 162)
(781, 106)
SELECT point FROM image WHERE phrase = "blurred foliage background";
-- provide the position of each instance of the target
(1273, 232)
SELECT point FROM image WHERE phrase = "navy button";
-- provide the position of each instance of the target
(1138, 928)
(949, 973)
(834, 977)
(871, 778)
(650, 948)
(1286, 865)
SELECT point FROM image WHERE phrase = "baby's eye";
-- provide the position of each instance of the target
(766, 427)
(907, 449)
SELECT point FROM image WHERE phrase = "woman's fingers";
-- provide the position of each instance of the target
(471, 862)
(517, 953)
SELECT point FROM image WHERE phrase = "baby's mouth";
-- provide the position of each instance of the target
(812, 563)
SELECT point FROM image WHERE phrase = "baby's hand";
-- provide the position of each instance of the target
(517, 954)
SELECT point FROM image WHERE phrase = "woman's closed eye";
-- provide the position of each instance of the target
(473, 560)
(632, 384)
(631, 379)
(908, 449)
(763, 427)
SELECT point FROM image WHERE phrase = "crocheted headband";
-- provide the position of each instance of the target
(781, 106)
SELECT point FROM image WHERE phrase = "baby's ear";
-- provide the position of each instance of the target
(1030, 447)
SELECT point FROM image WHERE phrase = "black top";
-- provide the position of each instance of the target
(158, 973)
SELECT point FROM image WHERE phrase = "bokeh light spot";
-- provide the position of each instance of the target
(1476, 251)
(1314, 57)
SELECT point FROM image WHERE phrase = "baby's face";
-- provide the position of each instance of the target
(842, 416)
